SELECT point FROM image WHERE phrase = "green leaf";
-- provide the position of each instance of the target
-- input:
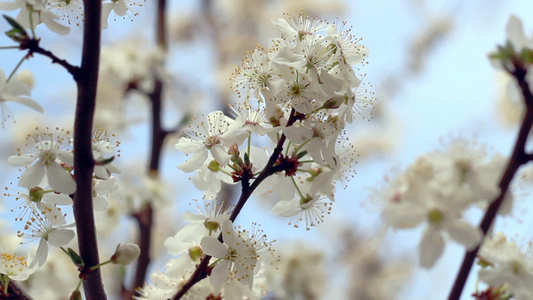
(18, 33)
(76, 259)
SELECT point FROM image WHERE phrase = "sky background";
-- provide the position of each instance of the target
(453, 93)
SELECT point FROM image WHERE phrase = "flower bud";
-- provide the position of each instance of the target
(126, 254)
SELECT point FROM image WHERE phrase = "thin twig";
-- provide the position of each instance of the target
(33, 46)
(518, 158)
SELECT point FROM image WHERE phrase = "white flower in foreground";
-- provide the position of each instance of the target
(15, 266)
(14, 91)
(46, 159)
(507, 265)
(213, 137)
(237, 255)
(48, 226)
(311, 208)
(35, 12)
(125, 254)
(206, 223)
(120, 7)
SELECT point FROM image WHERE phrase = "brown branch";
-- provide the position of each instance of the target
(33, 46)
(145, 216)
(518, 158)
(83, 156)
(246, 192)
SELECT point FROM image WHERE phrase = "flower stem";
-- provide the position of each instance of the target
(16, 68)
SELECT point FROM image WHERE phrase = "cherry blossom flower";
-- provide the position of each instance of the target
(46, 160)
(214, 139)
(506, 264)
(311, 208)
(49, 226)
(35, 12)
(15, 266)
(14, 90)
(206, 223)
(237, 255)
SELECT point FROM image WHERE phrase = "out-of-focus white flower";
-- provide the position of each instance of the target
(507, 265)
(46, 160)
(17, 91)
(15, 266)
(516, 36)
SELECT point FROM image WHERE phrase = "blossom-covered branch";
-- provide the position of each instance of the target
(518, 158)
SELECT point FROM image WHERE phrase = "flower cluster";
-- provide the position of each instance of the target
(48, 180)
(239, 255)
(437, 189)
(300, 93)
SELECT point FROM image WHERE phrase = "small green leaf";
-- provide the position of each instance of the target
(18, 33)
(76, 259)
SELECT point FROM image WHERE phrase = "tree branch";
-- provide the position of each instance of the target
(33, 46)
(145, 216)
(518, 158)
(83, 156)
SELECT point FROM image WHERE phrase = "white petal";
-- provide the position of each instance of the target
(212, 246)
(100, 204)
(21, 160)
(188, 146)
(60, 237)
(29, 102)
(219, 275)
(228, 234)
(220, 154)
(41, 254)
(464, 233)
(431, 247)
(195, 162)
(106, 187)
(60, 180)
(32, 176)
(59, 199)
(287, 208)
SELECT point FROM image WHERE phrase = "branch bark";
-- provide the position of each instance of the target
(83, 157)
